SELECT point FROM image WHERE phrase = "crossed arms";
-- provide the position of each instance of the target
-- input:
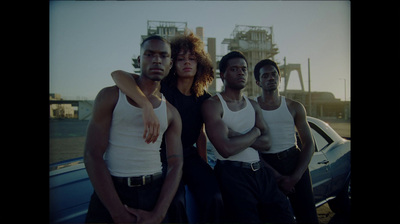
(226, 141)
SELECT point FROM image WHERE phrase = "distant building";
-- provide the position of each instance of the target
(76, 109)
(166, 29)
(323, 104)
(61, 110)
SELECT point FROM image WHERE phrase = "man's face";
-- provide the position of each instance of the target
(269, 78)
(155, 59)
(236, 73)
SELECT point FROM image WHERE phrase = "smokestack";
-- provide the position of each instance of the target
(199, 32)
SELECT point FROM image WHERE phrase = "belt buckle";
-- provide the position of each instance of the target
(252, 168)
(137, 185)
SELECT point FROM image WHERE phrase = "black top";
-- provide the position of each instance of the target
(189, 108)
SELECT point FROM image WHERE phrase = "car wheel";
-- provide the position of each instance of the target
(342, 202)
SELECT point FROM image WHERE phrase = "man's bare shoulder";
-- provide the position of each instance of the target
(293, 104)
(212, 101)
(296, 108)
(254, 103)
(212, 104)
(107, 95)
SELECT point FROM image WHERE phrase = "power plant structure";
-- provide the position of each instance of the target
(256, 43)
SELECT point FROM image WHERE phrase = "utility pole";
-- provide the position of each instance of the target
(309, 88)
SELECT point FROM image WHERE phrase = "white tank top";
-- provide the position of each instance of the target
(282, 128)
(128, 154)
(241, 121)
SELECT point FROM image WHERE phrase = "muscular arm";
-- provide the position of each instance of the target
(126, 82)
(175, 163)
(262, 143)
(307, 151)
(298, 111)
(218, 131)
(96, 144)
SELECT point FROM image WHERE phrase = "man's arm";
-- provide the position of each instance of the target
(126, 82)
(307, 141)
(307, 151)
(96, 144)
(218, 131)
(263, 141)
(174, 172)
(201, 144)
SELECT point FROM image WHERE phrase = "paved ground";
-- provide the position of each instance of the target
(67, 139)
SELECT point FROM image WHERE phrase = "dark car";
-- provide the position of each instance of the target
(70, 187)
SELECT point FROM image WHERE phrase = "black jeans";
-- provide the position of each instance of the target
(143, 197)
(202, 183)
(251, 196)
(302, 200)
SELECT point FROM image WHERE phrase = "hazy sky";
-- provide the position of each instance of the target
(89, 40)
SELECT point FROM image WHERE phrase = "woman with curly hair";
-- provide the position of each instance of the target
(185, 87)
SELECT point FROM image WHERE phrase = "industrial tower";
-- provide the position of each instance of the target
(166, 29)
(256, 43)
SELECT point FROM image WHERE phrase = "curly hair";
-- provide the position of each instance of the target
(205, 73)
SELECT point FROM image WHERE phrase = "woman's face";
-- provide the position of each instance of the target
(186, 64)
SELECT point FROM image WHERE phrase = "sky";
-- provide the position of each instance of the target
(89, 40)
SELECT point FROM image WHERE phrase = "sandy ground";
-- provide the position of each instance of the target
(67, 139)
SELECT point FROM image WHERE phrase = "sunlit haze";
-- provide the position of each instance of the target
(89, 40)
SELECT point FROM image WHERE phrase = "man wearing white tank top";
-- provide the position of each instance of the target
(124, 169)
(288, 162)
(235, 126)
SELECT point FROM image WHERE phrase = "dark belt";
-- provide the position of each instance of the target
(253, 166)
(281, 155)
(138, 181)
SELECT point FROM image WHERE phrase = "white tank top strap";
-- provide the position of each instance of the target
(240, 121)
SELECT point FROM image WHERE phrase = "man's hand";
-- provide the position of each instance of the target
(286, 184)
(151, 125)
(144, 216)
(124, 217)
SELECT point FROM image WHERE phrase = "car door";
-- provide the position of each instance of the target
(319, 165)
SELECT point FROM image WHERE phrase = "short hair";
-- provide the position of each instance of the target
(263, 63)
(223, 64)
(154, 37)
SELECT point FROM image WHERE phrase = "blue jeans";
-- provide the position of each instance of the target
(201, 182)
(252, 196)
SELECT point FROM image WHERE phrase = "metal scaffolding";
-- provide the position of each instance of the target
(166, 29)
(256, 43)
